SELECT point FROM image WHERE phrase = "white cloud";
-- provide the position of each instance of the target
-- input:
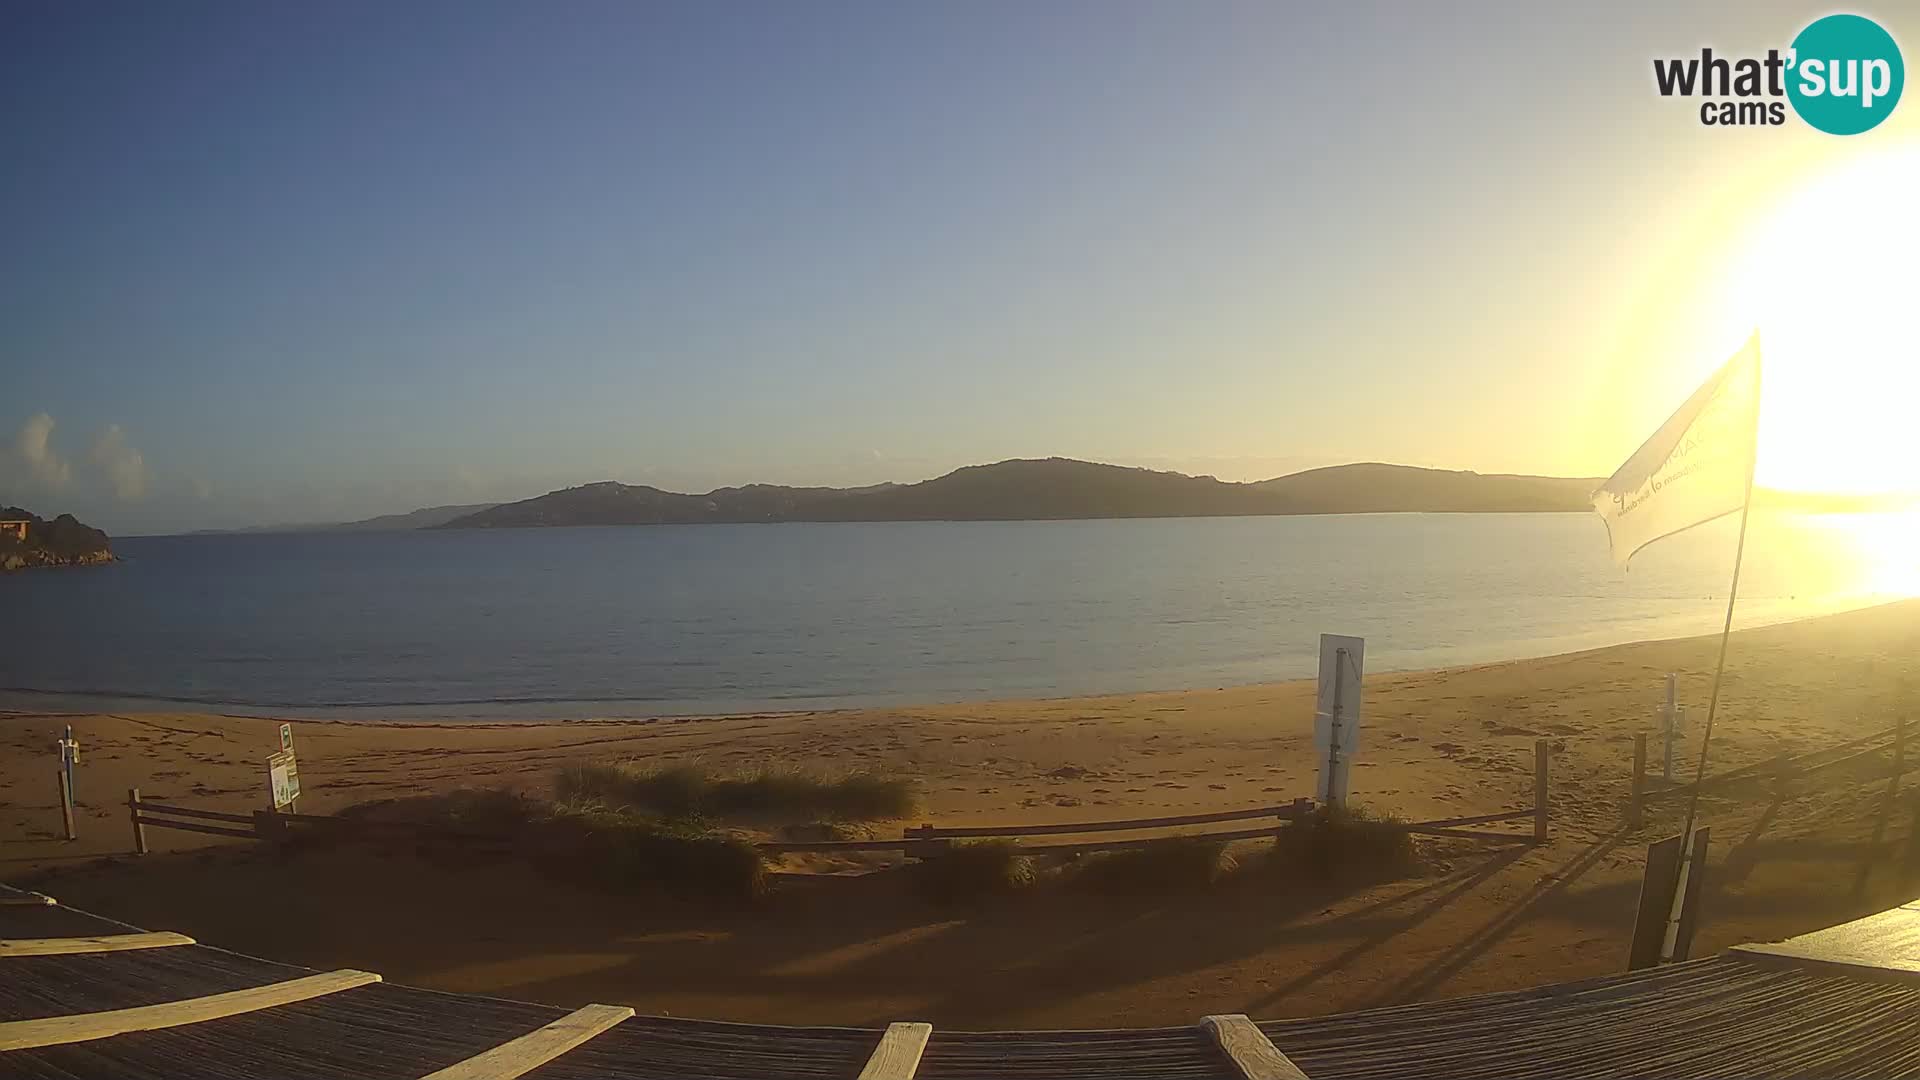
(33, 446)
(124, 467)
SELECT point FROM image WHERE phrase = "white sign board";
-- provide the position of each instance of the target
(1336, 713)
(283, 777)
(286, 737)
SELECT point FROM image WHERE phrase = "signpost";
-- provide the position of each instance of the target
(1673, 722)
(283, 773)
(69, 757)
(1336, 714)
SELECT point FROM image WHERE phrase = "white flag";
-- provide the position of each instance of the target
(1697, 467)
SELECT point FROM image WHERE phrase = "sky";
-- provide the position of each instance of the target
(276, 262)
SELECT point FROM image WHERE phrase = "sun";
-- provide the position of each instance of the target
(1829, 279)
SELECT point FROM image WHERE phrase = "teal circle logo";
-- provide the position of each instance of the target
(1845, 74)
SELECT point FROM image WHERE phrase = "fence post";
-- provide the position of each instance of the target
(66, 803)
(139, 830)
(1638, 799)
(1540, 763)
(269, 825)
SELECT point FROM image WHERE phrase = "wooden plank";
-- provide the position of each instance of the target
(1253, 1055)
(190, 826)
(929, 832)
(1145, 841)
(1695, 887)
(897, 1057)
(1657, 885)
(139, 830)
(1473, 819)
(148, 806)
(536, 1048)
(66, 946)
(1469, 834)
(81, 1027)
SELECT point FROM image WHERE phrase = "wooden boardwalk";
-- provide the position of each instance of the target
(1839, 1002)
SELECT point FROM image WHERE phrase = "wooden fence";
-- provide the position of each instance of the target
(915, 842)
(1770, 776)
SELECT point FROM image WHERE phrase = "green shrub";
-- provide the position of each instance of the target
(772, 792)
(580, 837)
(1344, 842)
(492, 810)
(1183, 864)
(619, 849)
(969, 870)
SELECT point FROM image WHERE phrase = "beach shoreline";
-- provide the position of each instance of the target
(834, 948)
(567, 711)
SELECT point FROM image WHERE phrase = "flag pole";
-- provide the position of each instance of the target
(1726, 631)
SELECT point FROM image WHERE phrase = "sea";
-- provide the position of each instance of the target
(699, 619)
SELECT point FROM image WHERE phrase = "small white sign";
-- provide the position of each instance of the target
(286, 737)
(283, 777)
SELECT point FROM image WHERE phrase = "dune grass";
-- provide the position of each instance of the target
(1345, 842)
(579, 839)
(689, 791)
(622, 850)
(1178, 865)
(972, 870)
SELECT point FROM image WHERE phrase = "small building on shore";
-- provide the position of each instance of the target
(16, 528)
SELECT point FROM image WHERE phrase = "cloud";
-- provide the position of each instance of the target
(124, 467)
(33, 449)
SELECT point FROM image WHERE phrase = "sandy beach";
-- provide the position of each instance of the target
(832, 946)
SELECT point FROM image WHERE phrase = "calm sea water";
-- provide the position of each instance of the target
(706, 618)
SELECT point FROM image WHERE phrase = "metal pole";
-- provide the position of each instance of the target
(1333, 735)
(1726, 630)
(1540, 760)
(1720, 667)
(66, 803)
(1638, 798)
(1669, 725)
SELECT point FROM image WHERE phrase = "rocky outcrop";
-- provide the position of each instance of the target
(62, 541)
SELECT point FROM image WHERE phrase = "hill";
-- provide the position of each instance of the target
(60, 542)
(424, 518)
(1050, 489)
(1375, 488)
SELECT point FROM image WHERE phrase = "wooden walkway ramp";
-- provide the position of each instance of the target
(82, 996)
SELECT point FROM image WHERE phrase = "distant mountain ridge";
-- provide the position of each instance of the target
(424, 518)
(1051, 489)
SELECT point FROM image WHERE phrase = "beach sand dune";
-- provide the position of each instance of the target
(843, 948)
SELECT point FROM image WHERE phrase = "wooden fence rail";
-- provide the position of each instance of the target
(1290, 811)
(1776, 770)
(916, 842)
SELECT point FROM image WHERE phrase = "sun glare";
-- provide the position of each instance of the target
(1828, 278)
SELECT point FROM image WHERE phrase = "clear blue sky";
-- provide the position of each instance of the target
(268, 262)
